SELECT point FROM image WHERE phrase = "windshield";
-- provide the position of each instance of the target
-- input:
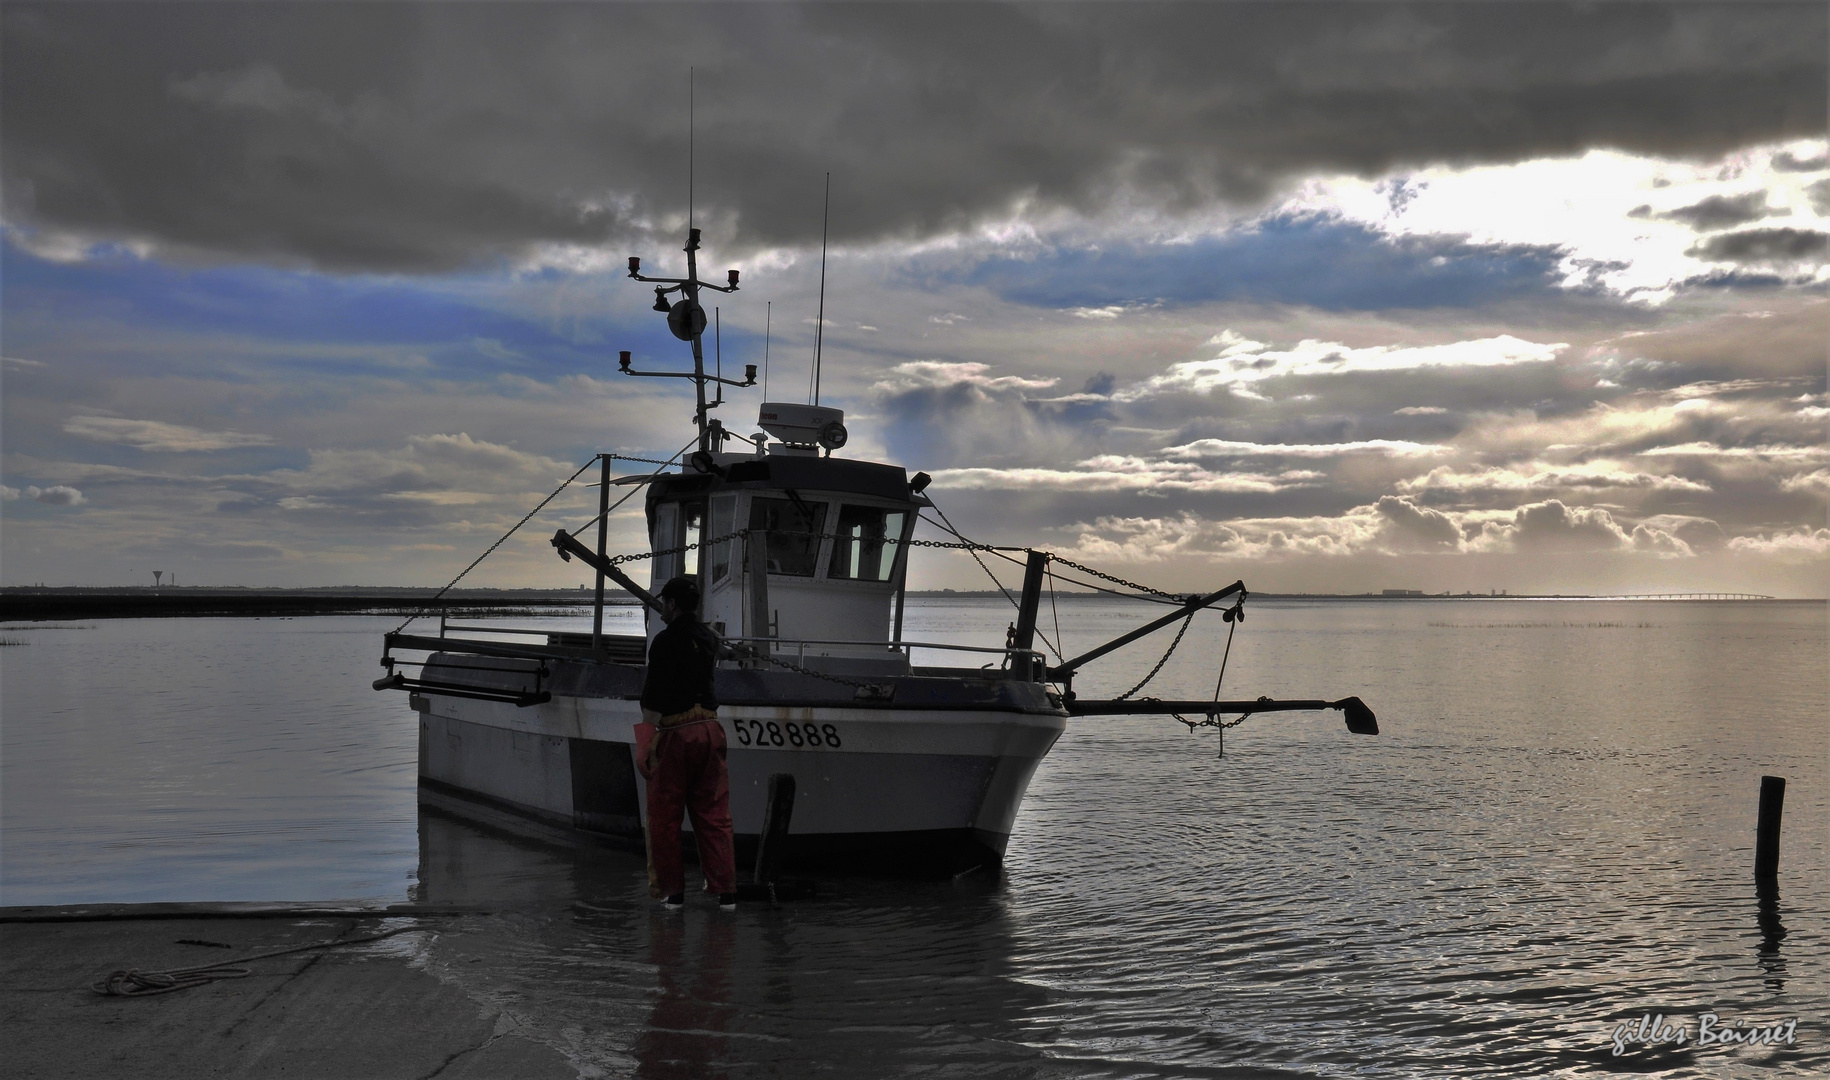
(792, 533)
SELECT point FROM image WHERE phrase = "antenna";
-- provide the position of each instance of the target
(819, 330)
(718, 354)
(768, 324)
(685, 317)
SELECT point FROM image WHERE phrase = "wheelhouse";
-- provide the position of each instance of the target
(801, 554)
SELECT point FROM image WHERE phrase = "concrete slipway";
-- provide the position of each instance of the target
(368, 1010)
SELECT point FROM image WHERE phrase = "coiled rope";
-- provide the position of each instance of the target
(133, 982)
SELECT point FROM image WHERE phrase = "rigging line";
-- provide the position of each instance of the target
(691, 117)
(1231, 625)
(1057, 613)
(638, 487)
(1000, 553)
(1158, 597)
(768, 324)
(964, 541)
(974, 554)
(512, 530)
(819, 329)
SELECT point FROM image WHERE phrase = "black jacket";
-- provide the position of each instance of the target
(680, 663)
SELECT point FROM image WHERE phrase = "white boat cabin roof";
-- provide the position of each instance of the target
(819, 568)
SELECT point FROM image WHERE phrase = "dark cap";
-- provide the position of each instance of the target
(684, 591)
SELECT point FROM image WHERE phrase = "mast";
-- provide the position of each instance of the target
(686, 319)
(691, 292)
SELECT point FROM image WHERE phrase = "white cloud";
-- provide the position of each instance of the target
(8, 494)
(1659, 542)
(925, 374)
(56, 495)
(1605, 210)
(1552, 526)
(1394, 525)
(157, 435)
(1420, 410)
(1816, 482)
(1538, 476)
(1763, 453)
(1418, 525)
(428, 470)
(1121, 473)
(1242, 362)
(1799, 545)
(1204, 448)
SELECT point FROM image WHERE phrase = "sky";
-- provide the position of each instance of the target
(1458, 297)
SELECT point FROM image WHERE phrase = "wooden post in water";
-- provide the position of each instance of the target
(756, 545)
(603, 529)
(1766, 843)
(776, 817)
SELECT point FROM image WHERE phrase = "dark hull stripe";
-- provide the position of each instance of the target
(913, 853)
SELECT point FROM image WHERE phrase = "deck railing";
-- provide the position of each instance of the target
(782, 646)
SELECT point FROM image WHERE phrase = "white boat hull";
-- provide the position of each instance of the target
(933, 790)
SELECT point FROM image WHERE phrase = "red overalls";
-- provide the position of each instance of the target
(689, 775)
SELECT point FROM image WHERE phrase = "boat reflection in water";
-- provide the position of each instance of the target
(891, 978)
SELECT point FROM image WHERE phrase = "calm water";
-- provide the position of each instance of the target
(1553, 835)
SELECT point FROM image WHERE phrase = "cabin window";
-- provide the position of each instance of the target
(692, 530)
(724, 511)
(864, 545)
(791, 529)
(666, 530)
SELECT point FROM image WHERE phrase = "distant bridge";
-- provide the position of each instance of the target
(1686, 596)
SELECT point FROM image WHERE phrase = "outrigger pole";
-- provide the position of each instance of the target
(1065, 671)
(570, 548)
(1360, 719)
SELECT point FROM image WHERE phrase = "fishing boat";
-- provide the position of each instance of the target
(844, 753)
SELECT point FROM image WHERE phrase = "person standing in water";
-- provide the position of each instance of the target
(686, 762)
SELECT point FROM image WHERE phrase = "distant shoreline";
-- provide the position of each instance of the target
(45, 604)
(38, 604)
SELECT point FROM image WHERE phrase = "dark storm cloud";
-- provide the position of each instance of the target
(424, 137)
(1820, 196)
(1764, 246)
(1719, 211)
(1320, 262)
(1786, 161)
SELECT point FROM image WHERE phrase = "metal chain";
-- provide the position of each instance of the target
(1117, 580)
(1211, 721)
(791, 666)
(645, 460)
(886, 541)
(1186, 623)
